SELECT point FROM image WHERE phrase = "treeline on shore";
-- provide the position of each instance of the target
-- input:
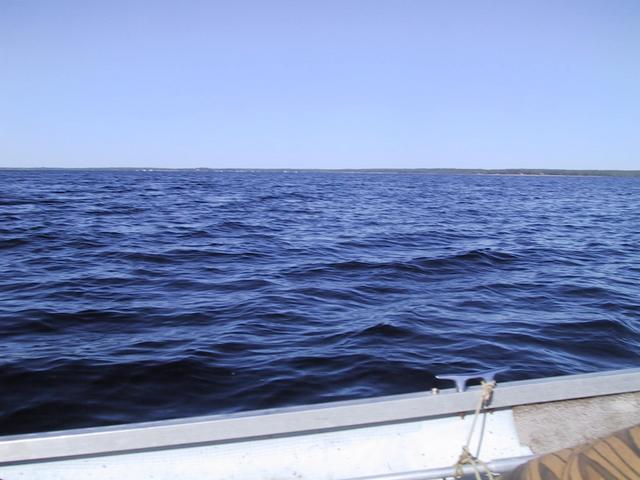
(517, 171)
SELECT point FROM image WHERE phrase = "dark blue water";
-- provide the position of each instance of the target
(131, 296)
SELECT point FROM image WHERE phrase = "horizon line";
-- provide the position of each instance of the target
(516, 171)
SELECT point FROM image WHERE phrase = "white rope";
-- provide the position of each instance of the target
(466, 458)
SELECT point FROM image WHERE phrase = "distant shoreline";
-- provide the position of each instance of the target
(531, 172)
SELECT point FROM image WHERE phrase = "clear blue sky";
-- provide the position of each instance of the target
(320, 84)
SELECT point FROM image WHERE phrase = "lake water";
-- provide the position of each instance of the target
(131, 296)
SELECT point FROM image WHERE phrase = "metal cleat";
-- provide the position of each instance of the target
(462, 379)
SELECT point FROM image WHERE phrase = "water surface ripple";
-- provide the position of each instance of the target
(131, 296)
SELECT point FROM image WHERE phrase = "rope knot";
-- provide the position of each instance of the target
(487, 391)
(478, 466)
(466, 458)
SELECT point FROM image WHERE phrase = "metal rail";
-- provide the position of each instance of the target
(497, 466)
(281, 422)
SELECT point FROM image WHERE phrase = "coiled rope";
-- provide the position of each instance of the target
(466, 457)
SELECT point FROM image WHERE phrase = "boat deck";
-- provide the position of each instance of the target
(400, 437)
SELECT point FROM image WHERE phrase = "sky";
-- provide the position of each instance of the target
(320, 84)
